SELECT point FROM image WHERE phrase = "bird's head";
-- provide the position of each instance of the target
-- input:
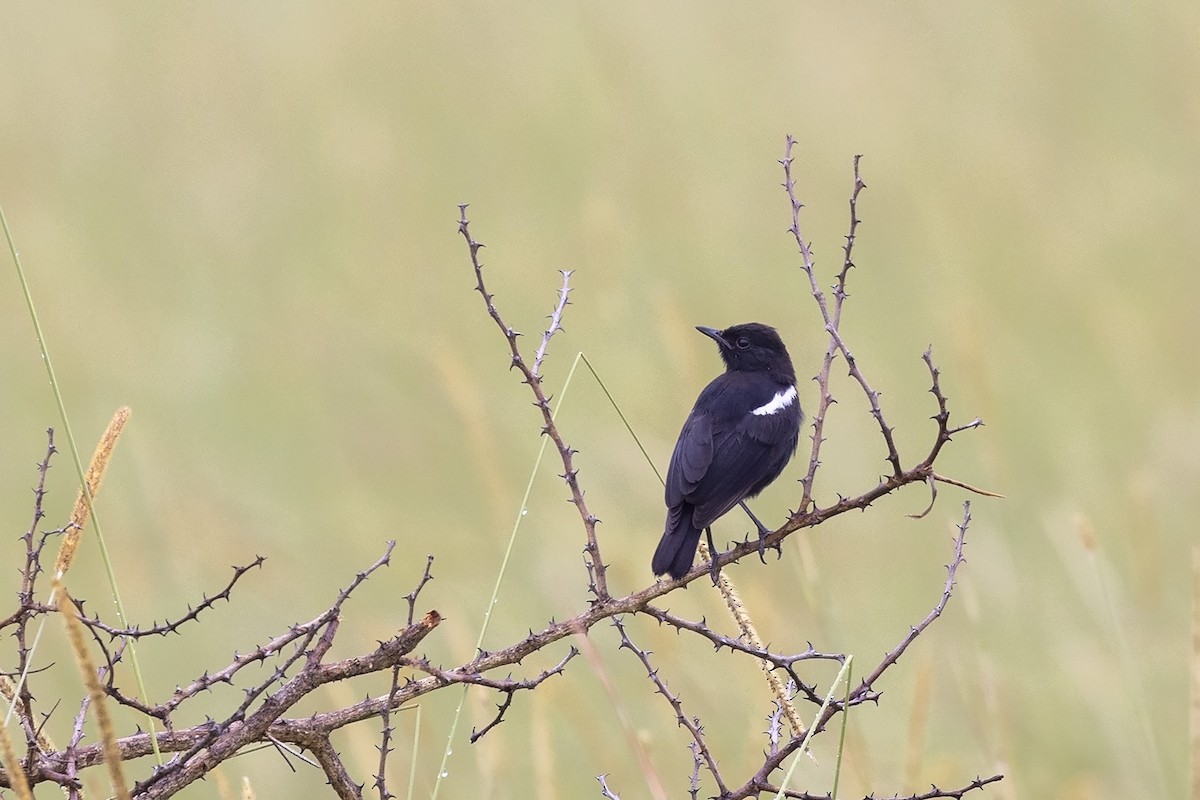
(753, 347)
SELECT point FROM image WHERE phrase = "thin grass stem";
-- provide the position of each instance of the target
(412, 767)
(837, 767)
(843, 674)
(512, 538)
(83, 487)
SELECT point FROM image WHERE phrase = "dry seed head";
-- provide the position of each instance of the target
(83, 508)
(9, 690)
(12, 766)
(99, 700)
(741, 616)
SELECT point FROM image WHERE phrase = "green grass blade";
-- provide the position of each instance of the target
(843, 674)
(512, 538)
(837, 768)
(621, 414)
(412, 766)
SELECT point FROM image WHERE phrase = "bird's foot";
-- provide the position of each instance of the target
(763, 533)
(714, 569)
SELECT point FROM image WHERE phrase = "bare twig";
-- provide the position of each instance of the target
(934, 794)
(555, 320)
(697, 764)
(173, 626)
(606, 792)
(411, 597)
(500, 709)
(833, 320)
(385, 737)
(774, 721)
(894, 654)
(595, 564)
(691, 724)
(784, 662)
(20, 700)
(839, 294)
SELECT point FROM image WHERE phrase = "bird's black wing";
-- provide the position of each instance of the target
(692, 458)
(745, 456)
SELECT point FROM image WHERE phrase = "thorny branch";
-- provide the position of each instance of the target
(173, 626)
(777, 660)
(839, 297)
(692, 724)
(533, 378)
(933, 794)
(298, 658)
(385, 737)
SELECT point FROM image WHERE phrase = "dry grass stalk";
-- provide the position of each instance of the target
(741, 616)
(99, 700)
(82, 511)
(9, 690)
(12, 766)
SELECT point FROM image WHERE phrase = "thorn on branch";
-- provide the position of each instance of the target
(606, 792)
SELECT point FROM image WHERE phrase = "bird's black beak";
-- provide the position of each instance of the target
(713, 334)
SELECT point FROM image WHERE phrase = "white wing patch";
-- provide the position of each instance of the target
(782, 399)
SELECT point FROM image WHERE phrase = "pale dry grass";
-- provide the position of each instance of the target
(82, 511)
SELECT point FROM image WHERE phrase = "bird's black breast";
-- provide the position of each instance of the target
(726, 452)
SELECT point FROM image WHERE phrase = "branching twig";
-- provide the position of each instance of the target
(170, 626)
(934, 794)
(595, 564)
(411, 597)
(500, 709)
(894, 654)
(606, 792)
(784, 662)
(839, 297)
(692, 724)
(508, 685)
(555, 321)
(833, 319)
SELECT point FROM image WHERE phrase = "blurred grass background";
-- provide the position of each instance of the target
(240, 221)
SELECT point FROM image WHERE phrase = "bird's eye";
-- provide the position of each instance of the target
(743, 343)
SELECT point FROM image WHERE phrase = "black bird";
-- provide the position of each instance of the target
(740, 435)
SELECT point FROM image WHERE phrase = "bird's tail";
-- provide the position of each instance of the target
(677, 549)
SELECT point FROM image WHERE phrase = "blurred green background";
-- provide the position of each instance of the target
(240, 220)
